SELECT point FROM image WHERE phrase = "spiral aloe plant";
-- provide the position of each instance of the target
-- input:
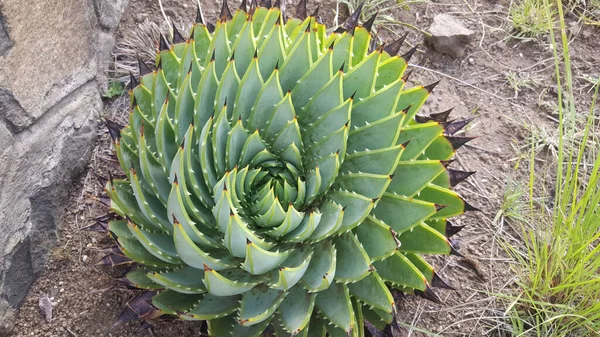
(277, 175)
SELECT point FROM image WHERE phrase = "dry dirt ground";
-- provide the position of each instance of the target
(476, 85)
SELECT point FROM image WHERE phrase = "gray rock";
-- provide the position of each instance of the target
(6, 137)
(104, 47)
(36, 175)
(449, 35)
(50, 59)
(5, 41)
(109, 12)
(7, 314)
(19, 275)
(170, 13)
(139, 18)
(15, 117)
(49, 103)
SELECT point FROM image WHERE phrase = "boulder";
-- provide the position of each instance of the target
(37, 172)
(50, 53)
(109, 12)
(449, 35)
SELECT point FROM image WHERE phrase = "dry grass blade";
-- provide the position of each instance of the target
(385, 10)
(140, 44)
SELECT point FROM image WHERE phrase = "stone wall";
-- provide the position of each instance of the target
(52, 57)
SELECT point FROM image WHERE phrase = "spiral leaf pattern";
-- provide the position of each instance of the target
(279, 175)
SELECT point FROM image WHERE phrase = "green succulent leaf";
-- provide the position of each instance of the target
(379, 105)
(322, 268)
(389, 71)
(184, 109)
(382, 161)
(296, 309)
(259, 261)
(171, 302)
(186, 280)
(317, 327)
(134, 250)
(298, 63)
(334, 303)
(372, 291)
(259, 304)
(412, 241)
(157, 244)
(194, 256)
(244, 47)
(352, 263)
(378, 318)
(360, 80)
(152, 171)
(413, 176)
(220, 47)
(397, 269)
(268, 97)
(119, 228)
(228, 282)
(319, 74)
(378, 239)
(402, 213)
(138, 279)
(310, 222)
(211, 307)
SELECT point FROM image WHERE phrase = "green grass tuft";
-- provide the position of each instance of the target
(529, 18)
(558, 263)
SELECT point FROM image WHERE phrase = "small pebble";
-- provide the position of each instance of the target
(170, 12)
(586, 33)
(141, 17)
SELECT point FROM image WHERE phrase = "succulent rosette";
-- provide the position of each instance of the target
(279, 175)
